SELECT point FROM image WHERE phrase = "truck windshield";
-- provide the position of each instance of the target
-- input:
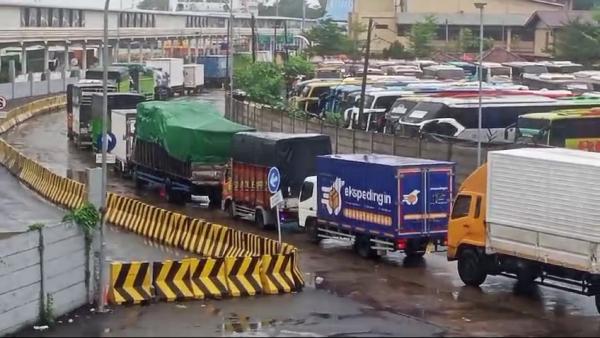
(535, 69)
(528, 129)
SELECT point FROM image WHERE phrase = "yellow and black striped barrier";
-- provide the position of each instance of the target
(130, 283)
(277, 274)
(171, 280)
(208, 278)
(243, 276)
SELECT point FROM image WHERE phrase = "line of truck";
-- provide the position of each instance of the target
(530, 214)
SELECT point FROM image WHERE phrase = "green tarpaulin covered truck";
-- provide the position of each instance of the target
(184, 147)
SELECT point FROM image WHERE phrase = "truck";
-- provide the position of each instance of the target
(173, 67)
(193, 75)
(79, 101)
(380, 203)
(215, 69)
(246, 194)
(115, 101)
(123, 127)
(530, 214)
(182, 147)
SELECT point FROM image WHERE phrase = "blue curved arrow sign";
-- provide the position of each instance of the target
(112, 142)
(274, 180)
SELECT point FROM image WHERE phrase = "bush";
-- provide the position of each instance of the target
(261, 81)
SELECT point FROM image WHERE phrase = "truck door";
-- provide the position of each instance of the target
(438, 199)
(425, 198)
(129, 134)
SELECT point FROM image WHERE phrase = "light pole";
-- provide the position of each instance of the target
(480, 5)
(101, 300)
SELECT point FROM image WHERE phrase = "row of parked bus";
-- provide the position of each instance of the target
(409, 106)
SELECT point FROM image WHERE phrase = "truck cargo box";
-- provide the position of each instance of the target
(544, 205)
(293, 154)
(188, 131)
(387, 196)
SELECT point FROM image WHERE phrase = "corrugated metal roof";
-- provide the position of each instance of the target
(465, 19)
(560, 18)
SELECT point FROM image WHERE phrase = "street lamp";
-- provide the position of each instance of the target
(481, 6)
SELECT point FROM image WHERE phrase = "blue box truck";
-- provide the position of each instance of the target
(215, 69)
(381, 203)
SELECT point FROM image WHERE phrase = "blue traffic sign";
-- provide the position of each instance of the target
(112, 142)
(274, 180)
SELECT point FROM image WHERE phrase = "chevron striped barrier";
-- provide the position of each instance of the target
(243, 276)
(276, 274)
(171, 280)
(130, 283)
(208, 278)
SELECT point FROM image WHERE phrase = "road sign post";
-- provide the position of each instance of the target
(274, 182)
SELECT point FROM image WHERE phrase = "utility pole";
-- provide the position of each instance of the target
(275, 40)
(253, 26)
(276, 7)
(481, 6)
(285, 36)
(227, 61)
(101, 300)
(230, 52)
(365, 70)
(303, 14)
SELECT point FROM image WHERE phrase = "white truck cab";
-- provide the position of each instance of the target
(307, 207)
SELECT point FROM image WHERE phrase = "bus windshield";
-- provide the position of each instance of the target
(530, 129)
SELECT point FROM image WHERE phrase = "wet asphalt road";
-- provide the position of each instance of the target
(21, 207)
(428, 289)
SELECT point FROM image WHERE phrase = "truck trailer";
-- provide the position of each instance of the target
(193, 75)
(530, 214)
(123, 127)
(173, 67)
(246, 192)
(380, 203)
(183, 147)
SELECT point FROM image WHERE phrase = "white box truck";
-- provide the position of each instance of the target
(532, 214)
(174, 69)
(193, 75)
(123, 127)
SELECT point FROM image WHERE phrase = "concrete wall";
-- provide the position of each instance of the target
(344, 141)
(24, 89)
(22, 281)
(10, 17)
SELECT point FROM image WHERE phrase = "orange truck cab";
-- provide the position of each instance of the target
(467, 223)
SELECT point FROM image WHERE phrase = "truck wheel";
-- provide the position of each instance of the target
(597, 297)
(312, 230)
(414, 254)
(260, 220)
(362, 246)
(215, 196)
(139, 184)
(470, 268)
(176, 197)
(229, 209)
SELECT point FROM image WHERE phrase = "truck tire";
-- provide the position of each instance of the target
(362, 246)
(312, 230)
(470, 268)
(597, 299)
(229, 209)
(215, 196)
(259, 219)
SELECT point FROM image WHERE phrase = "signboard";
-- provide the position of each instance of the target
(2, 102)
(110, 158)
(274, 180)
(112, 142)
(276, 199)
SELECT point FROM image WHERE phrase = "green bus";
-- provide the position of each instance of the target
(119, 76)
(574, 129)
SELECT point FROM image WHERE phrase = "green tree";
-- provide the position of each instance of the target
(397, 51)
(421, 35)
(159, 5)
(328, 38)
(297, 65)
(469, 43)
(262, 82)
(579, 42)
(293, 9)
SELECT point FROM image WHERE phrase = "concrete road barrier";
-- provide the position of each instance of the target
(243, 276)
(276, 274)
(208, 278)
(172, 280)
(130, 283)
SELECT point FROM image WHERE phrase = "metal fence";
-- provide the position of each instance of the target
(32, 85)
(343, 140)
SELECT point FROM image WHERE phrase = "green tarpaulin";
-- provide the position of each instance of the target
(189, 131)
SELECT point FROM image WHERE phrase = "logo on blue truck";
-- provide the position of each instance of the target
(332, 196)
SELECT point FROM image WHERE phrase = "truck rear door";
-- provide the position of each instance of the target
(424, 201)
